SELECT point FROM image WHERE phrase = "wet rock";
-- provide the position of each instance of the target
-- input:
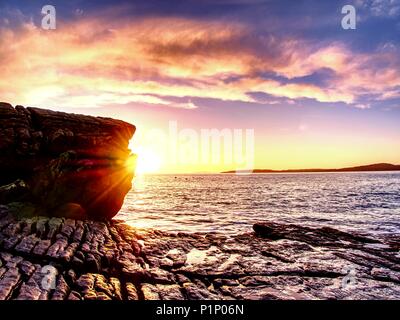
(159, 275)
(62, 289)
(8, 283)
(116, 288)
(41, 247)
(93, 262)
(94, 286)
(131, 269)
(317, 236)
(27, 268)
(178, 257)
(131, 292)
(150, 292)
(70, 276)
(10, 242)
(68, 254)
(58, 247)
(385, 275)
(170, 292)
(85, 282)
(73, 295)
(195, 292)
(57, 258)
(39, 285)
(29, 292)
(27, 244)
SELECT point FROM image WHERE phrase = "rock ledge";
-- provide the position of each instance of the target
(71, 165)
(57, 259)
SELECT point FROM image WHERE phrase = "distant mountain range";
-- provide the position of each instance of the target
(371, 167)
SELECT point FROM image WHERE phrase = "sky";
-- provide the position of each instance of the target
(309, 93)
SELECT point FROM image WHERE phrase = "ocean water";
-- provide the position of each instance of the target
(368, 202)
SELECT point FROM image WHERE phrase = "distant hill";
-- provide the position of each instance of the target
(371, 167)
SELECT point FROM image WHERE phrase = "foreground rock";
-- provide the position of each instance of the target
(72, 165)
(58, 258)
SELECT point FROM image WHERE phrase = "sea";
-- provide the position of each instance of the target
(366, 202)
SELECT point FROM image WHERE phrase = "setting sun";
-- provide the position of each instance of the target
(199, 150)
(147, 161)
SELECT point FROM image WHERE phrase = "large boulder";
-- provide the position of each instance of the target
(71, 165)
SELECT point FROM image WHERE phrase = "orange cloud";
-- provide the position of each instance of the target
(91, 63)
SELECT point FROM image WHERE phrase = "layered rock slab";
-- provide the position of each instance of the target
(58, 258)
(67, 164)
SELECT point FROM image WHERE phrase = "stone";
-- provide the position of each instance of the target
(85, 282)
(41, 247)
(14, 192)
(57, 248)
(194, 292)
(131, 291)
(73, 295)
(170, 292)
(26, 268)
(150, 292)
(279, 262)
(116, 288)
(68, 164)
(27, 244)
(8, 283)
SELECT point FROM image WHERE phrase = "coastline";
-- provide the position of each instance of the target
(377, 167)
(112, 261)
(59, 241)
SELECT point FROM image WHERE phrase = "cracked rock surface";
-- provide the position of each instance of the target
(44, 258)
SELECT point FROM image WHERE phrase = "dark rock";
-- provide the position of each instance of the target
(14, 192)
(195, 292)
(27, 244)
(170, 292)
(27, 268)
(8, 283)
(70, 165)
(61, 291)
(98, 263)
(93, 263)
(41, 247)
(325, 235)
(74, 296)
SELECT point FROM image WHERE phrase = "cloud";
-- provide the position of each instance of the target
(380, 8)
(362, 106)
(96, 61)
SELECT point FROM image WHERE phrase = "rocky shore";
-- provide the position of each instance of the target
(64, 176)
(57, 259)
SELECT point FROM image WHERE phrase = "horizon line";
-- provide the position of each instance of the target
(359, 168)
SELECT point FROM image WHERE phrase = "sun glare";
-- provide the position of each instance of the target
(147, 161)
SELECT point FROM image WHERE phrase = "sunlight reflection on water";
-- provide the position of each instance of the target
(367, 202)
